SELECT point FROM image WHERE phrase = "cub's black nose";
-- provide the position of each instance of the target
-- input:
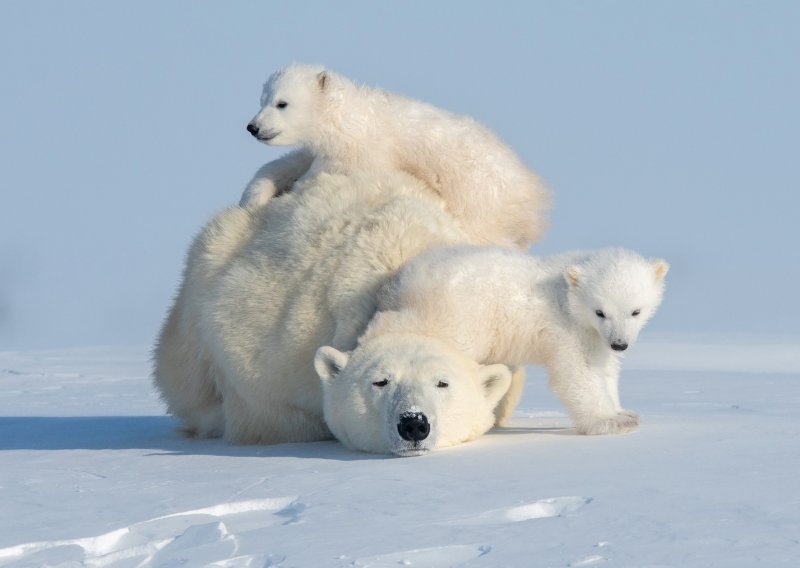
(413, 427)
(619, 346)
(252, 129)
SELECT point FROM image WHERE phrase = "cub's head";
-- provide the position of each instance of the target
(291, 105)
(407, 395)
(615, 291)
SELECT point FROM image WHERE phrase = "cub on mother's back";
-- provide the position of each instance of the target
(341, 127)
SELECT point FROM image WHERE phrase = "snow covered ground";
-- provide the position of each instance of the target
(92, 473)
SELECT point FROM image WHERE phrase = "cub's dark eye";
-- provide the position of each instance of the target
(600, 314)
(442, 385)
(635, 313)
(381, 383)
(281, 104)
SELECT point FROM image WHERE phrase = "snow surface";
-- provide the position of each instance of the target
(92, 473)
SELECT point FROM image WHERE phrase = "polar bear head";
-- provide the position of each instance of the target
(406, 394)
(292, 105)
(615, 292)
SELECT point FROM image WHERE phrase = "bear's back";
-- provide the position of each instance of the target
(309, 275)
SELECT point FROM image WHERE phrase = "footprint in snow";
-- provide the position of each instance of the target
(196, 546)
(589, 561)
(21, 373)
(542, 509)
(435, 557)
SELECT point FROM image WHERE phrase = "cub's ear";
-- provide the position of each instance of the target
(322, 80)
(573, 275)
(329, 362)
(496, 380)
(661, 267)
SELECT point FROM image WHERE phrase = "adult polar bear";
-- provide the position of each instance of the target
(262, 290)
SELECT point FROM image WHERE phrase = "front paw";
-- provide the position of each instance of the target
(625, 421)
(630, 413)
(258, 194)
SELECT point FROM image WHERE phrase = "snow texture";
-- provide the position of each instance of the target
(92, 473)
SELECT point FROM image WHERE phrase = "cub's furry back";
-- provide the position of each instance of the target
(340, 127)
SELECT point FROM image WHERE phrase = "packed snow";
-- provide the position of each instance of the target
(93, 473)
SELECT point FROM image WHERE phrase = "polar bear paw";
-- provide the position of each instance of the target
(630, 413)
(258, 193)
(624, 421)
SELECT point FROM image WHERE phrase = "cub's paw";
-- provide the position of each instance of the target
(258, 194)
(625, 421)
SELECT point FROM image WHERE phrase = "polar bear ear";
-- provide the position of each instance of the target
(495, 380)
(322, 80)
(661, 268)
(573, 275)
(329, 362)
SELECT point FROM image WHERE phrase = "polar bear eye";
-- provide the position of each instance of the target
(600, 314)
(381, 383)
(635, 313)
(442, 385)
(281, 104)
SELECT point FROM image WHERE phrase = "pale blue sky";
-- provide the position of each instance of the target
(667, 127)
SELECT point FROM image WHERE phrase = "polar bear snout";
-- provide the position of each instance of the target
(619, 345)
(413, 426)
(261, 134)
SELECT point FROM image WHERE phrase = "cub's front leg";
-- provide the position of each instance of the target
(611, 373)
(618, 424)
(275, 178)
(584, 390)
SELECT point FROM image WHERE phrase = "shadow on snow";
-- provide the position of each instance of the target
(162, 436)
(157, 433)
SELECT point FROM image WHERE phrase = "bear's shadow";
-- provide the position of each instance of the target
(160, 434)
(546, 430)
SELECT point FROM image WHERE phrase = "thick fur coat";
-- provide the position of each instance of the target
(573, 313)
(263, 290)
(341, 127)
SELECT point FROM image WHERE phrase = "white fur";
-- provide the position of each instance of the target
(276, 177)
(345, 127)
(263, 290)
(367, 395)
(504, 306)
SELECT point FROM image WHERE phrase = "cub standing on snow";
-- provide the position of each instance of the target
(340, 127)
(574, 314)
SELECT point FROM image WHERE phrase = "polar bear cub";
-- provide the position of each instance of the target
(408, 393)
(574, 314)
(340, 126)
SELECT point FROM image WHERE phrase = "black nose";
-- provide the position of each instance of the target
(252, 129)
(619, 346)
(413, 427)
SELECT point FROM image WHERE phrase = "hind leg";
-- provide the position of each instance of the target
(505, 408)
(185, 373)
(271, 422)
(186, 378)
